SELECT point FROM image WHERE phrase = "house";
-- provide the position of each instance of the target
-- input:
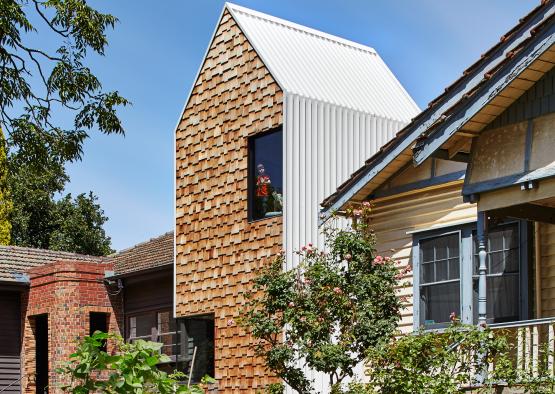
(278, 116)
(465, 194)
(50, 299)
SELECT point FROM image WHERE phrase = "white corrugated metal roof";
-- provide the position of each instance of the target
(320, 66)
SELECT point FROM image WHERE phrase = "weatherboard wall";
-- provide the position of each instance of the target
(396, 217)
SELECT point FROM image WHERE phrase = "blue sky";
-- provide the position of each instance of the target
(155, 52)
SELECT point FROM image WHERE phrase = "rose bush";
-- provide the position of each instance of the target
(327, 311)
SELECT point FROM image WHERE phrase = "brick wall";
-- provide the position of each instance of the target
(217, 248)
(66, 291)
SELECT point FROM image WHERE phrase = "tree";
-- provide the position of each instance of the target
(36, 83)
(66, 224)
(328, 311)
(131, 368)
(38, 87)
(6, 204)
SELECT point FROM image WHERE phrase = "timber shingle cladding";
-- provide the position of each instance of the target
(217, 248)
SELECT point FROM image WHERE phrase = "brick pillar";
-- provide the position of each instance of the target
(68, 292)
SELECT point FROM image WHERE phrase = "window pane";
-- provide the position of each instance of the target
(495, 240)
(141, 325)
(454, 268)
(428, 273)
(441, 270)
(502, 299)
(266, 175)
(438, 302)
(440, 245)
(426, 251)
(496, 262)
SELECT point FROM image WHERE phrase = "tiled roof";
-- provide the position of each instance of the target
(15, 260)
(150, 254)
(464, 88)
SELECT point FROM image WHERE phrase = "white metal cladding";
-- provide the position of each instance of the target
(320, 66)
(323, 144)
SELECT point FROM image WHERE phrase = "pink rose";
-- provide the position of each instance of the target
(337, 290)
(378, 260)
(291, 304)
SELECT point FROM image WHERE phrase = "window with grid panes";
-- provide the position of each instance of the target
(439, 279)
(503, 273)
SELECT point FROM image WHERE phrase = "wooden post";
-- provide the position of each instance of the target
(482, 271)
(535, 350)
(538, 276)
(550, 349)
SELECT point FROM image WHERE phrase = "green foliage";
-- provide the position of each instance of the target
(431, 362)
(38, 87)
(36, 83)
(6, 203)
(131, 369)
(449, 362)
(66, 224)
(327, 312)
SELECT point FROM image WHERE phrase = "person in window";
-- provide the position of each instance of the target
(263, 183)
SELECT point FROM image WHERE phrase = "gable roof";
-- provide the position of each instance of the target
(154, 253)
(323, 67)
(398, 152)
(16, 260)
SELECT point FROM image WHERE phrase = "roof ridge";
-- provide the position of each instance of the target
(301, 28)
(50, 251)
(119, 252)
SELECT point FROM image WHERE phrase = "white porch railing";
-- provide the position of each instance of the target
(533, 342)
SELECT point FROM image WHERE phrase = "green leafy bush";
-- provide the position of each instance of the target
(458, 360)
(131, 369)
(328, 311)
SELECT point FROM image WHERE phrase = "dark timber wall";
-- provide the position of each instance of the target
(10, 341)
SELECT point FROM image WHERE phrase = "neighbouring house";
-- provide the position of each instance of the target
(51, 299)
(278, 116)
(465, 194)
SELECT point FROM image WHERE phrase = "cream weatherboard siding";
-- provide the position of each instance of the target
(395, 217)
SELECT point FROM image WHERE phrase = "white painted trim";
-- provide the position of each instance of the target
(443, 225)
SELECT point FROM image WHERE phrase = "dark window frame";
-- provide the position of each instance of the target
(184, 357)
(154, 316)
(466, 313)
(251, 172)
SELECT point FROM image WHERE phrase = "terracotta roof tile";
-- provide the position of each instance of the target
(15, 260)
(146, 255)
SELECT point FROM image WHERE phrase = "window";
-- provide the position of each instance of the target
(503, 274)
(439, 278)
(266, 175)
(446, 265)
(197, 346)
(157, 326)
